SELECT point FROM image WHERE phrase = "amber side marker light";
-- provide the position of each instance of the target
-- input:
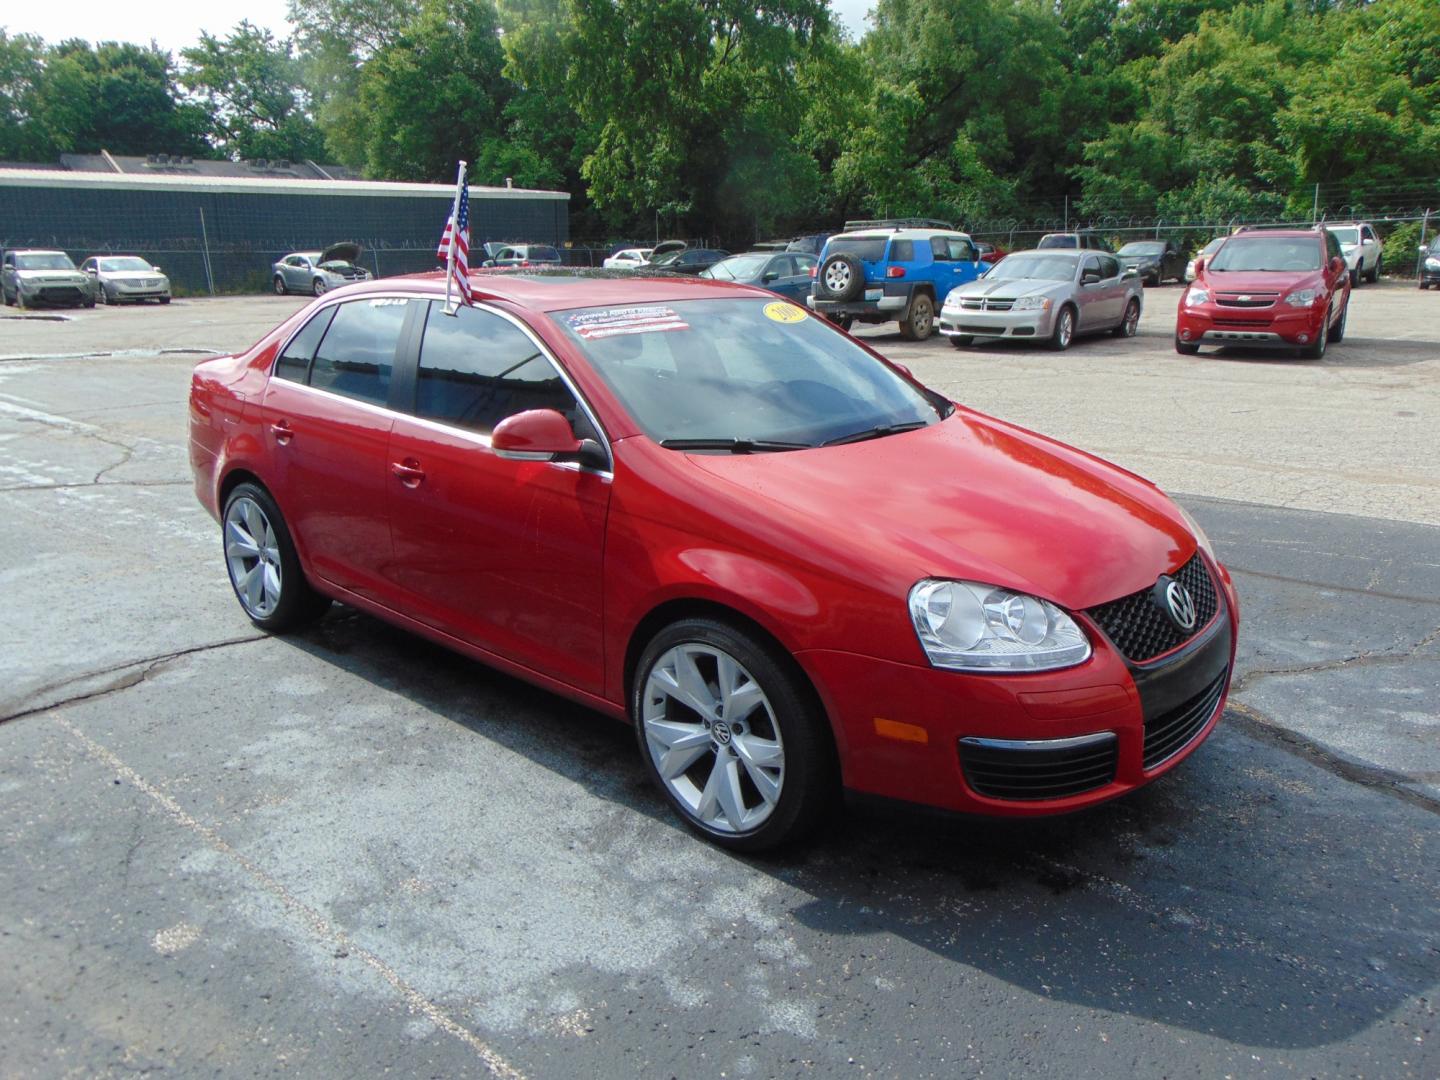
(898, 729)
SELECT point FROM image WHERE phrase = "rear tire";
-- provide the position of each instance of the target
(318, 287)
(707, 695)
(919, 321)
(1375, 274)
(278, 285)
(1130, 320)
(264, 569)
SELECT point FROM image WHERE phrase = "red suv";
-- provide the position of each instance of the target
(1271, 289)
(701, 509)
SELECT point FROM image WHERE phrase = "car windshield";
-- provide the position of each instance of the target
(1034, 268)
(1059, 240)
(1143, 247)
(56, 261)
(1213, 246)
(127, 263)
(744, 374)
(737, 267)
(864, 248)
(1347, 236)
(1267, 253)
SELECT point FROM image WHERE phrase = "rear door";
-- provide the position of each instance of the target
(325, 422)
(505, 555)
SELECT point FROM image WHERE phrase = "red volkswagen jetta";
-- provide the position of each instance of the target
(691, 505)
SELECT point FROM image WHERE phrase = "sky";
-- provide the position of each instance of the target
(176, 24)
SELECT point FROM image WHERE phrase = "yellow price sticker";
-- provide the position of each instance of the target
(786, 313)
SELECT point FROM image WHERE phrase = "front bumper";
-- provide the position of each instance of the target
(1276, 328)
(949, 740)
(129, 290)
(1429, 275)
(1029, 323)
(66, 294)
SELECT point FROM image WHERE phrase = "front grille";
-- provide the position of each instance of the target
(972, 328)
(1170, 732)
(1004, 770)
(1247, 300)
(1245, 324)
(986, 304)
(60, 292)
(1141, 629)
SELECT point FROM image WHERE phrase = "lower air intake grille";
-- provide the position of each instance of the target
(1047, 769)
(1170, 732)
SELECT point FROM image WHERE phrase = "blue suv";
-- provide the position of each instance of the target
(876, 271)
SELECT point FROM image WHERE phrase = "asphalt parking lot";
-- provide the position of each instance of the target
(352, 853)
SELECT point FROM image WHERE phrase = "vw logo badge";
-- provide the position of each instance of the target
(1180, 605)
(721, 730)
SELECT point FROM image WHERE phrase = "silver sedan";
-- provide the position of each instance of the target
(125, 278)
(1049, 296)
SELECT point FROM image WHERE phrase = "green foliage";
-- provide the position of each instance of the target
(251, 86)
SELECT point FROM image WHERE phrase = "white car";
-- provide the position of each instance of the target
(1204, 253)
(1361, 247)
(628, 259)
(119, 278)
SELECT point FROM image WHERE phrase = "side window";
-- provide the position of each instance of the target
(294, 361)
(1092, 262)
(1109, 267)
(940, 248)
(902, 251)
(781, 266)
(962, 250)
(358, 350)
(1332, 245)
(804, 264)
(477, 368)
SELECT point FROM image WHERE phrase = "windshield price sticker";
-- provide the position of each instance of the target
(782, 312)
(612, 322)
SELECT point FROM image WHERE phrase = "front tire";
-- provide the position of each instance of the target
(1064, 331)
(1186, 348)
(844, 322)
(1375, 274)
(919, 322)
(264, 569)
(732, 734)
(317, 288)
(960, 341)
(1317, 351)
(278, 284)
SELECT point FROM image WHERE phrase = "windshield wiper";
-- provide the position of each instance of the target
(735, 446)
(879, 431)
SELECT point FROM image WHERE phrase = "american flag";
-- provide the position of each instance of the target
(457, 230)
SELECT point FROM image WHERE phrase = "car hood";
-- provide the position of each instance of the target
(1139, 258)
(972, 498)
(130, 275)
(51, 275)
(1008, 287)
(1242, 281)
(346, 252)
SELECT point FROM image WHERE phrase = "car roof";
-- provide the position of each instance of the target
(570, 287)
(35, 251)
(1345, 224)
(899, 234)
(1284, 234)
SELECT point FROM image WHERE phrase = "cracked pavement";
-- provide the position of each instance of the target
(351, 853)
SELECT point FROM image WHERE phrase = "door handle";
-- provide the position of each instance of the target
(408, 472)
(281, 430)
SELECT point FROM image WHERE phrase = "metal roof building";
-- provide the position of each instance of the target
(220, 227)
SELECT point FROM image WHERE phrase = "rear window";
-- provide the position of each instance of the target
(864, 248)
(358, 351)
(1059, 240)
(542, 252)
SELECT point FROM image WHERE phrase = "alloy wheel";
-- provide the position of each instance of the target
(252, 554)
(837, 278)
(712, 736)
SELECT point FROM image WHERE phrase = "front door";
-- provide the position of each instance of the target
(506, 555)
(326, 425)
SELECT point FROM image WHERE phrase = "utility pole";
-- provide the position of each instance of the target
(1315, 207)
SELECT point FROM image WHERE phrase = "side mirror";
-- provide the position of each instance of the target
(1337, 265)
(1090, 277)
(769, 276)
(1199, 265)
(91, 271)
(534, 435)
(1422, 249)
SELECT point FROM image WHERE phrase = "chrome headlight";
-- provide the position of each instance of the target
(1301, 298)
(1196, 296)
(1432, 264)
(967, 626)
(952, 299)
(1030, 303)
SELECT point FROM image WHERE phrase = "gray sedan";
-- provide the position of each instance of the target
(124, 278)
(781, 272)
(1047, 295)
(316, 272)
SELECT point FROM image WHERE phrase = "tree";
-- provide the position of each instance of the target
(21, 70)
(251, 86)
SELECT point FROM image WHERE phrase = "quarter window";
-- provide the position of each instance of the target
(358, 350)
(294, 362)
(902, 251)
(477, 368)
(1109, 267)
